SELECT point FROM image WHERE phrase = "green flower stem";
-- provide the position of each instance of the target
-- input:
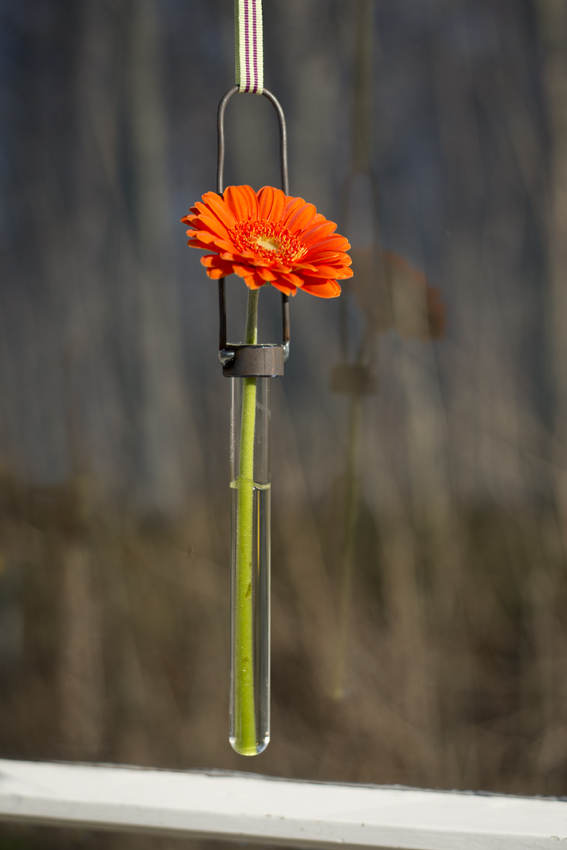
(245, 726)
(351, 518)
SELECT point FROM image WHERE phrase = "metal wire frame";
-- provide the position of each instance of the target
(225, 355)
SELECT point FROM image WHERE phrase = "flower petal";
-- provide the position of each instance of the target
(318, 233)
(252, 282)
(242, 202)
(292, 279)
(242, 271)
(204, 236)
(216, 274)
(221, 246)
(302, 218)
(213, 262)
(217, 205)
(330, 258)
(271, 203)
(292, 206)
(328, 243)
(214, 225)
(327, 272)
(265, 274)
(286, 288)
(326, 289)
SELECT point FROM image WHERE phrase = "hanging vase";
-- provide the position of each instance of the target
(250, 565)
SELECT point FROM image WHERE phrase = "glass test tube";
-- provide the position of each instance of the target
(250, 565)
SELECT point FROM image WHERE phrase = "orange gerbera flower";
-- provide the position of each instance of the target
(268, 237)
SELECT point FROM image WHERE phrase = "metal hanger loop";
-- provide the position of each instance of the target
(226, 355)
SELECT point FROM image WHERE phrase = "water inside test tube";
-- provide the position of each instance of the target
(260, 591)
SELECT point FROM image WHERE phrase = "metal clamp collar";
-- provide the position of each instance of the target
(252, 361)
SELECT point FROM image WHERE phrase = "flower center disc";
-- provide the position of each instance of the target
(268, 239)
(268, 242)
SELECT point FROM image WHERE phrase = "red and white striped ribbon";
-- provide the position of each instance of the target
(249, 45)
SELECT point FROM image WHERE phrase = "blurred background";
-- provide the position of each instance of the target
(419, 460)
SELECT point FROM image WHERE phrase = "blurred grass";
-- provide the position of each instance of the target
(122, 652)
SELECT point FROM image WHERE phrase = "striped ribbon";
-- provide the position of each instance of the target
(249, 46)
